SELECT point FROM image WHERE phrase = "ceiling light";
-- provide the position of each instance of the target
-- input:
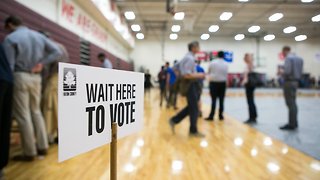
(140, 36)
(239, 37)
(179, 16)
(173, 36)
(289, 29)
(316, 18)
(205, 36)
(306, 1)
(275, 17)
(254, 29)
(135, 27)
(300, 38)
(243, 0)
(129, 15)
(213, 28)
(269, 37)
(225, 16)
(175, 28)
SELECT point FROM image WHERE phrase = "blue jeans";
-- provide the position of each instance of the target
(191, 109)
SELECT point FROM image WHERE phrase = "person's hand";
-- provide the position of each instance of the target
(37, 68)
(202, 76)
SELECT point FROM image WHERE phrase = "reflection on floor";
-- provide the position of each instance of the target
(230, 150)
(272, 113)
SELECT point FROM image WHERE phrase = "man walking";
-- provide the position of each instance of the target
(27, 51)
(292, 73)
(187, 67)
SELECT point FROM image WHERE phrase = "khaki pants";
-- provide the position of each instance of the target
(50, 106)
(26, 110)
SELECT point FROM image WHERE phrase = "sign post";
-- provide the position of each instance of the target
(113, 152)
(96, 106)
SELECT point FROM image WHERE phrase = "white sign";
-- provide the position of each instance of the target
(90, 98)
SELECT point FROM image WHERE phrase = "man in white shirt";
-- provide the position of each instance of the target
(105, 61)
(218, 72)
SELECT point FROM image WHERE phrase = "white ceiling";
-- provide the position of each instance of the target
(151, 15)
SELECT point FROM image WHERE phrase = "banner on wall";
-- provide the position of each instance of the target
(90, 99)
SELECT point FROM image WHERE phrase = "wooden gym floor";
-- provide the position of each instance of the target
(230, 150)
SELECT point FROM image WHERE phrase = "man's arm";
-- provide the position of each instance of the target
(168, 80)
(194, 76)
(53, 51)
(287, 70)
(9, 49)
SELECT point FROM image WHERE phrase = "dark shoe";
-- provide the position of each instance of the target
(250, 121)
(23, 158)
(56, 140)
(209, 119)
(42, 152)
(288, 127)
(172, 124)
(221, 117)
(197, 134)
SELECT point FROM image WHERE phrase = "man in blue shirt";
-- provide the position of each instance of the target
(171, 79)
(27, 51)
(6, 90)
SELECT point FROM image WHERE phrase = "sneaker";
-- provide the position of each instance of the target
(172, 124)
(23, 158)
(197, 134)
(221, 117)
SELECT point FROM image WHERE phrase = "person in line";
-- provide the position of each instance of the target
(292, 73)
(6, 92)
(248, 59)
(105, 61)
(147, 82)
(171, 79)
(218, 72)
(187, 67)
(50, 94)
(27, 51)
(162, 79)
(200, 70)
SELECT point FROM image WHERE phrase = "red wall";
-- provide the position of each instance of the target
(70, 40)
